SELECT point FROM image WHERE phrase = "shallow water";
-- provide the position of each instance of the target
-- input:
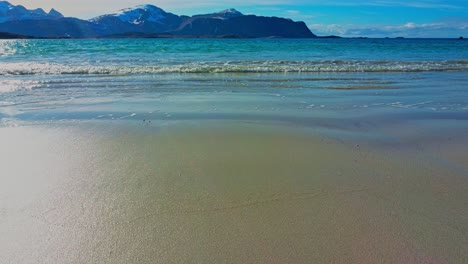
(47, 80)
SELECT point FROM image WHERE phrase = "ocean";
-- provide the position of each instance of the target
(180, 78)
(233, 150)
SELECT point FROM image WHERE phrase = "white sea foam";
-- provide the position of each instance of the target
(43, 68)
(9, 122)
(7, 48)
(15, 85)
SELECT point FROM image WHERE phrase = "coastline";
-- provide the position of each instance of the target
(139, 35)
(208, 151)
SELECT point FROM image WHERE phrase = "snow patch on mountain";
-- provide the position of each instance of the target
(231, 12)
(224, 14)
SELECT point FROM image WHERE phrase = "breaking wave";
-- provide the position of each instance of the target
(44, 68)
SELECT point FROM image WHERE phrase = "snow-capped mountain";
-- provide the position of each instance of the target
(224, 14)
(228, 13)
(137, 15)
(146, 21)
(231, 12)
(9, 12)
(142, 18)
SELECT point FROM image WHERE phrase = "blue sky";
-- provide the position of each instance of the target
(352, 18)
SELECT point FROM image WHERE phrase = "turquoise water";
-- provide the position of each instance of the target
(134, 56)
(254, 79)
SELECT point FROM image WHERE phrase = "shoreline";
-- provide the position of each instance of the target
(139, 35)
(107, 157)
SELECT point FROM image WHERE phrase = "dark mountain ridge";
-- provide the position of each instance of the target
(147, 21)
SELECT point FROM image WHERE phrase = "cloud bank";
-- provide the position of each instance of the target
(446, 28)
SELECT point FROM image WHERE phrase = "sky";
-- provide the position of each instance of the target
(347, 18)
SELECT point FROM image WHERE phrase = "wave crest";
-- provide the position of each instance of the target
(44, 68)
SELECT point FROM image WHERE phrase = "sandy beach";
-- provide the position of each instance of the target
(234, 151)
(232, 192)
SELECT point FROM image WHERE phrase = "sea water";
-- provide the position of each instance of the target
(43, 80)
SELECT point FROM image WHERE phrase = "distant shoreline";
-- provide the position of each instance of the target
(7, 35)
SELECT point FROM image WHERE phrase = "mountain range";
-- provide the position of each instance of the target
(146, 21)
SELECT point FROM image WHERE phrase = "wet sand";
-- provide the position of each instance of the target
(232, 192)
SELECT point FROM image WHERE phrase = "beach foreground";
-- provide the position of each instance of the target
(234, 151)
(232, 192)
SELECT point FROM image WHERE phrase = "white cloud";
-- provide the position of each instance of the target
(409, 29)
(409, 25)
(293, 12)
(325, 30)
